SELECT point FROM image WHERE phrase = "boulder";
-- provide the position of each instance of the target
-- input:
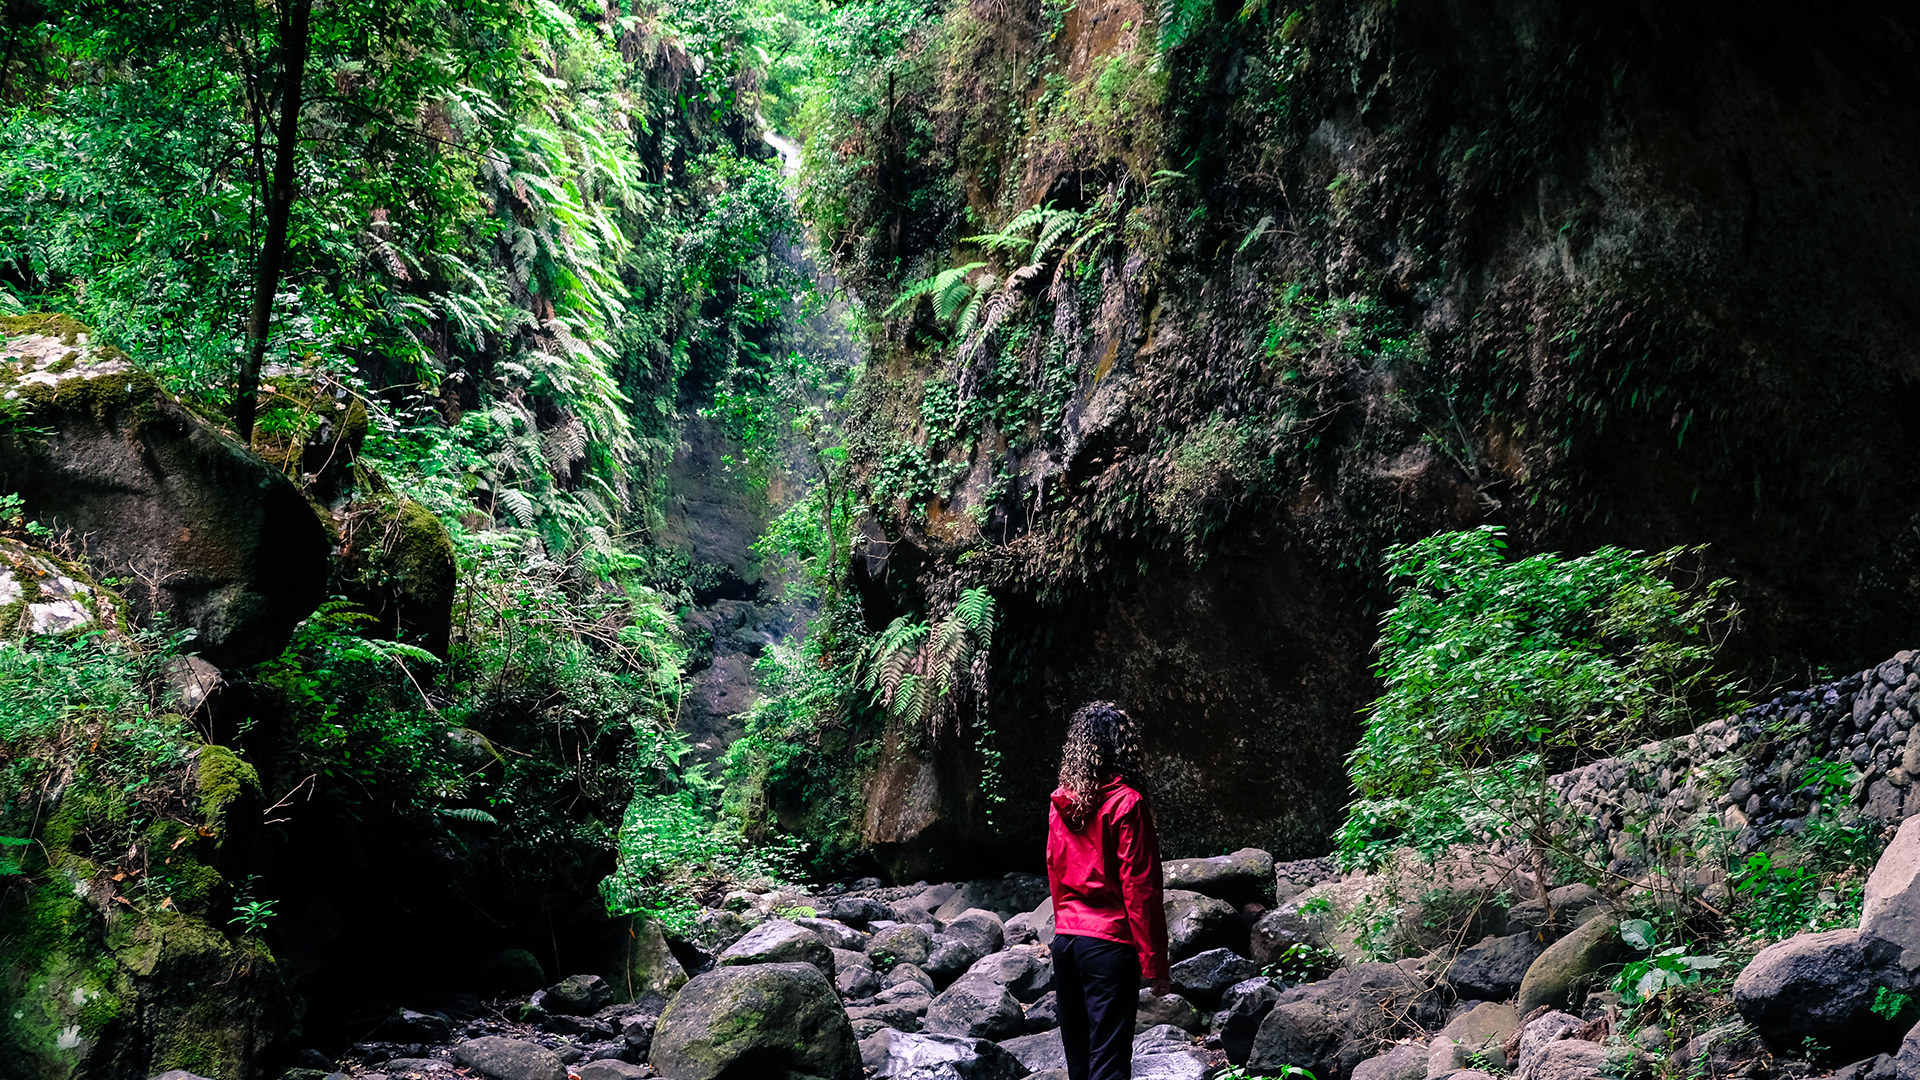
(642, 962)
(412, 1026)
(769, 1016)
(901, 973)
(899, 1006)
(903, 944)
(978, 1009)
(779, 941)
(1724, 1048)
(853, 976)
(611, 1069)
(1165, 1052)
(1196, 923)
(1044, 1015)
(1038, 1052)
(858, 911)
(1552, 979)
(919, 908)
(1821, 986)
(1539, 1032)
(1157, 1009)
(897, 1055)
(205, 530)
(1242, 1007)
(1892, 911)
(397, 564)
(1005, 897)
(1026, 971)
(40, 594)
(1246, 876)
(1204, 977)
(509, 1059)
(1333, 1025)
(837, 935)
(1494, 969)
(968, 938)
(577, 995)
(179, 1074)
(1481, 1031)
(1032, 926)
(1407, 1061)
(1906, 1060)
(1275, 933)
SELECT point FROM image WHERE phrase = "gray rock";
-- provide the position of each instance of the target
(1821, 986)
(1044, 1015)
(1906, 1060)
(1182, 1065)
(903, 944)
(1204, 977)
(920, 907)
(1005, 897)
(578, 995)
(977, 1009)
(1541, 1032)
(1552, 978)
(1481, 1031)
(896, 1055)
(1275, 933)
(1196, 923)
(158, 494)
(1161, 1039)
(1892, 911)
(509, 1059)
(1032, 926)
(1026, 971)
(969, 937)
(1724, 1048)
(903, 973)
(853, 976)
(1407, 1061)
(1333, 1025)
(774, 1016)
(1158, 1009)
(417, 1069)
(612, 1069)
(179, 1074)
(1245, 876)
(1039, 1051)
(409, 1026)
(858, 911)
(837, 935)
(1494, 969)
(780, 941)
(1290, 879)
(1575, 1059)
(1241, 1009)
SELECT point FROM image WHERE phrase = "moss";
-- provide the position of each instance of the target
(100, 397)
(223, 777)
(45, 324)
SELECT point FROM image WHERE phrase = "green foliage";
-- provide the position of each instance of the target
(1303, 963)
(1819, 883)
(913, 668)
(1498, 671)
(1643, 981)
(1893, 1006)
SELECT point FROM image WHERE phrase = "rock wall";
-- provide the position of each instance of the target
(1625, 275)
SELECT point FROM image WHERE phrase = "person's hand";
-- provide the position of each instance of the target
(1162, 986)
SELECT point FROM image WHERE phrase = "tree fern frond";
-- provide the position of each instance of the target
(950, 295)
(467, 813)
(975, 609)
(1000, 241)
(970, 315)
(519, 506)
(1028, 218)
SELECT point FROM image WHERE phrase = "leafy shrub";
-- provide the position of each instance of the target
(1498, 672)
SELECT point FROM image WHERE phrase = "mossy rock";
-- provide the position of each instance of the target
(41, 593)
(399, 566)
(311, 429)
(199, 527)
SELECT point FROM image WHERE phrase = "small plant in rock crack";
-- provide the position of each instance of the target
(800, 911)
(250, 913)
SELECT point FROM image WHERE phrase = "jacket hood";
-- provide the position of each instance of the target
(1078, 817)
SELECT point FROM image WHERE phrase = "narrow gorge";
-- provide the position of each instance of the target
(560, 540)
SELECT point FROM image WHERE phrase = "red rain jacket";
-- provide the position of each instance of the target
(1105, 876)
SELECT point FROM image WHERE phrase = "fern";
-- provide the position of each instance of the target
(913, 668)
(976, 610)
(467, 813)
(938, 285)
(1180, 20)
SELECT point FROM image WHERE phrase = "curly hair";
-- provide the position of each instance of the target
(1102, 742)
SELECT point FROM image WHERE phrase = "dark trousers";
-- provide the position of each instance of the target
(1099, 987)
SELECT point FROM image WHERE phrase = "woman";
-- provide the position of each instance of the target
(1103, 866)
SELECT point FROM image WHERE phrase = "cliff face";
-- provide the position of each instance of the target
(1353, 273)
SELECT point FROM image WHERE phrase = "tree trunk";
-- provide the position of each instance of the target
(294, 20)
